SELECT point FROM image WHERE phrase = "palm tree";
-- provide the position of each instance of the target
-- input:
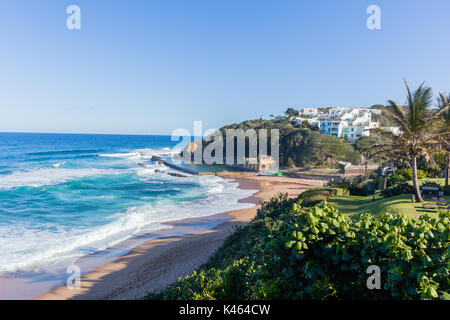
(444, 129)
(417, 123)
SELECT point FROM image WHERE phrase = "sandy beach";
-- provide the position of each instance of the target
(157, 263)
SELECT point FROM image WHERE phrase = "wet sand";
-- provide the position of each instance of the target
(157, 263)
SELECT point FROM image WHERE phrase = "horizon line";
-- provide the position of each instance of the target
(88, 133)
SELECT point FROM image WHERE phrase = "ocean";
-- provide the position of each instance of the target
(65, 196)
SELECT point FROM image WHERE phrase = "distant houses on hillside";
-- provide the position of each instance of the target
(309, 111)
(349, 123)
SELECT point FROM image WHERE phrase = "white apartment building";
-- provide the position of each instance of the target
(349, 123)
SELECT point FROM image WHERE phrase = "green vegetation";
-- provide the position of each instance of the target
(360, 185)
(383, 119)
(353, 205)
(403, 175)
(398, 189)
(365, 145)
(291, 112)
(421, 130)
(290, 251)
(444, 129)
(310, 147)
(407, 187)
(316, 196)
(446, 190)
(406, 174)
(300, 146)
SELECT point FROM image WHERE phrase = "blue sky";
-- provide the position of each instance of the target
(144, 67)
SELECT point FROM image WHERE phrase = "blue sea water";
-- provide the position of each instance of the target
(63, 196)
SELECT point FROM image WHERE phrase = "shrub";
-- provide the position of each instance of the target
(313, 197)
(430, 184)
(447, 190)
(407, 173)
(341, 192)
(395, 178)
(343, 184)
(403, 175)
(360, 185)
(364, 188)
(289, 252)
(402, 188)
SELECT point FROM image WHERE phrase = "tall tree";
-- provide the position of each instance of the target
(291, 112)
(444, 130)
(417, 123)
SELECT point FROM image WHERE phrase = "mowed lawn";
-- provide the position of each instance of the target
(399, 204)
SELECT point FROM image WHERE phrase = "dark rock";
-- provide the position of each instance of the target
(176, 175)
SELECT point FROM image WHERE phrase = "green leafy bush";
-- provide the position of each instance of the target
(313, 197)
(342, 184)
(446, 190)
(430, 184)
(394, 179)
(403, 175)
(341, 192)
(290, 252)
(360, 185)
(402, 188)
(363, 188)
(407, 173)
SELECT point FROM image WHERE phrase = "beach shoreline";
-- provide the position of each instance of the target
(155, 264)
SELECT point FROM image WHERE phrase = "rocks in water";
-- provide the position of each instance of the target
(173, 174)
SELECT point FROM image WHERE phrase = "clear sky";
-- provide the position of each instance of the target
(153, 66)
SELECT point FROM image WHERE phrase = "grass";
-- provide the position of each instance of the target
(441, 181)
(352, 205)
(399, 204)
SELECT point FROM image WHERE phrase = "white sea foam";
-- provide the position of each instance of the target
(57, 165)
(51, 250)
(143, 154)
(148, 170)
(37, 249)
(49, 176)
